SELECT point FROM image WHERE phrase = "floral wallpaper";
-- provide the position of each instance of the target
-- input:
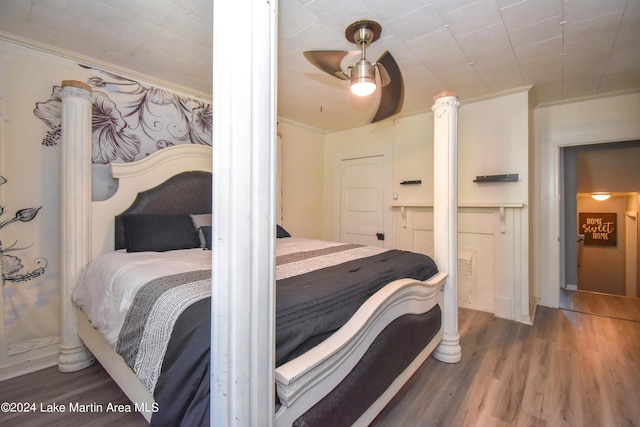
(130, 120)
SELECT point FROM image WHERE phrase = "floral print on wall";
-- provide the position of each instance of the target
(12, 268)
(131, 120)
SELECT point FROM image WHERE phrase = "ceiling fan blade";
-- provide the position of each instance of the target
(385, 78)
(392, 93)
(328, 61)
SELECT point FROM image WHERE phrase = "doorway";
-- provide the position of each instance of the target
(607, 266)
(361, 201)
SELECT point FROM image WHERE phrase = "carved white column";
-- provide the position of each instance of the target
(75, 227)
(445, 213)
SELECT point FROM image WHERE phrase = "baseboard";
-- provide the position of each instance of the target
(504, 308)
(533, 306)
(28, 366)
(571, 287)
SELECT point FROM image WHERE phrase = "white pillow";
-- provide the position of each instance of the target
(200, 220)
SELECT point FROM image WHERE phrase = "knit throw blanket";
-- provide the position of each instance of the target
(147, 328)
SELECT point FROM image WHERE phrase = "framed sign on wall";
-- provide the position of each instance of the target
(599, 229)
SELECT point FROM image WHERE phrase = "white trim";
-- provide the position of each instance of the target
(302, 125)
(631, 254)
(460, 205)
(549, 257)
(30, 365)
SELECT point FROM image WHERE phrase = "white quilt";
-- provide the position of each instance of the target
(109, 284)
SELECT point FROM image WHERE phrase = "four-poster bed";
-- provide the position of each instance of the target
(320, 382)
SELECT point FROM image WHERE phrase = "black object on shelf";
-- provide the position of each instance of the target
(412, 182)
(508, 177)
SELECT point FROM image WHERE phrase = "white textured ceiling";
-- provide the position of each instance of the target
(566, 49)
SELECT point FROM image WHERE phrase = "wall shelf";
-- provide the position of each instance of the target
(507, 177)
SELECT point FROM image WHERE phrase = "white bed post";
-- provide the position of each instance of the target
(243, 302)
(75, 227)
(445, 212)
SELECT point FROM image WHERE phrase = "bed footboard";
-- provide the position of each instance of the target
(306, 380)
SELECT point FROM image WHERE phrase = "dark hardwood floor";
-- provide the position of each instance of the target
(568, 369)
(55, 390)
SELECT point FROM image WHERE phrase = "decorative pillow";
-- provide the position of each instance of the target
(159, 233)
(199, 221)
(281, 232)
(205, 233)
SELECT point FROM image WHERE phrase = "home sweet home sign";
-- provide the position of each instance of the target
(599, 229)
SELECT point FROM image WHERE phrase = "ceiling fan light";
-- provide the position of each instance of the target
(363, 81)
(362, 87)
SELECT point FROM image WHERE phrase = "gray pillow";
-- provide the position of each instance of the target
(159, 233)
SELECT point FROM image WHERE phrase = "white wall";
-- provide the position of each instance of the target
(413, 158)
(302, 169)
(493, 138)
(602, 120)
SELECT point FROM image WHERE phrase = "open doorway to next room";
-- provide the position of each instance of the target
(605, 256)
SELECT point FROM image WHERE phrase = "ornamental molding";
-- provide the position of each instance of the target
(76, 92)
(447, 101)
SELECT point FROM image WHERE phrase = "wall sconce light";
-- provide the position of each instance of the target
(601, 197)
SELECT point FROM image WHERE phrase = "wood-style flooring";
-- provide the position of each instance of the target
(49, 387)
(568, 369)
(614, 306)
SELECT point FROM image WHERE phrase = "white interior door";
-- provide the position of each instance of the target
(361, 201)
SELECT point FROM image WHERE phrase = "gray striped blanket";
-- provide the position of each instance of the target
(147, 328)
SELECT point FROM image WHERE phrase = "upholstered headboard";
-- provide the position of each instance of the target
(174, 180)
(186, 193)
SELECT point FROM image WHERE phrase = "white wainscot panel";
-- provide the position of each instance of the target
(488, 239)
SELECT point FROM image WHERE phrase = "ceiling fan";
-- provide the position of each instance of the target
(362, 75)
